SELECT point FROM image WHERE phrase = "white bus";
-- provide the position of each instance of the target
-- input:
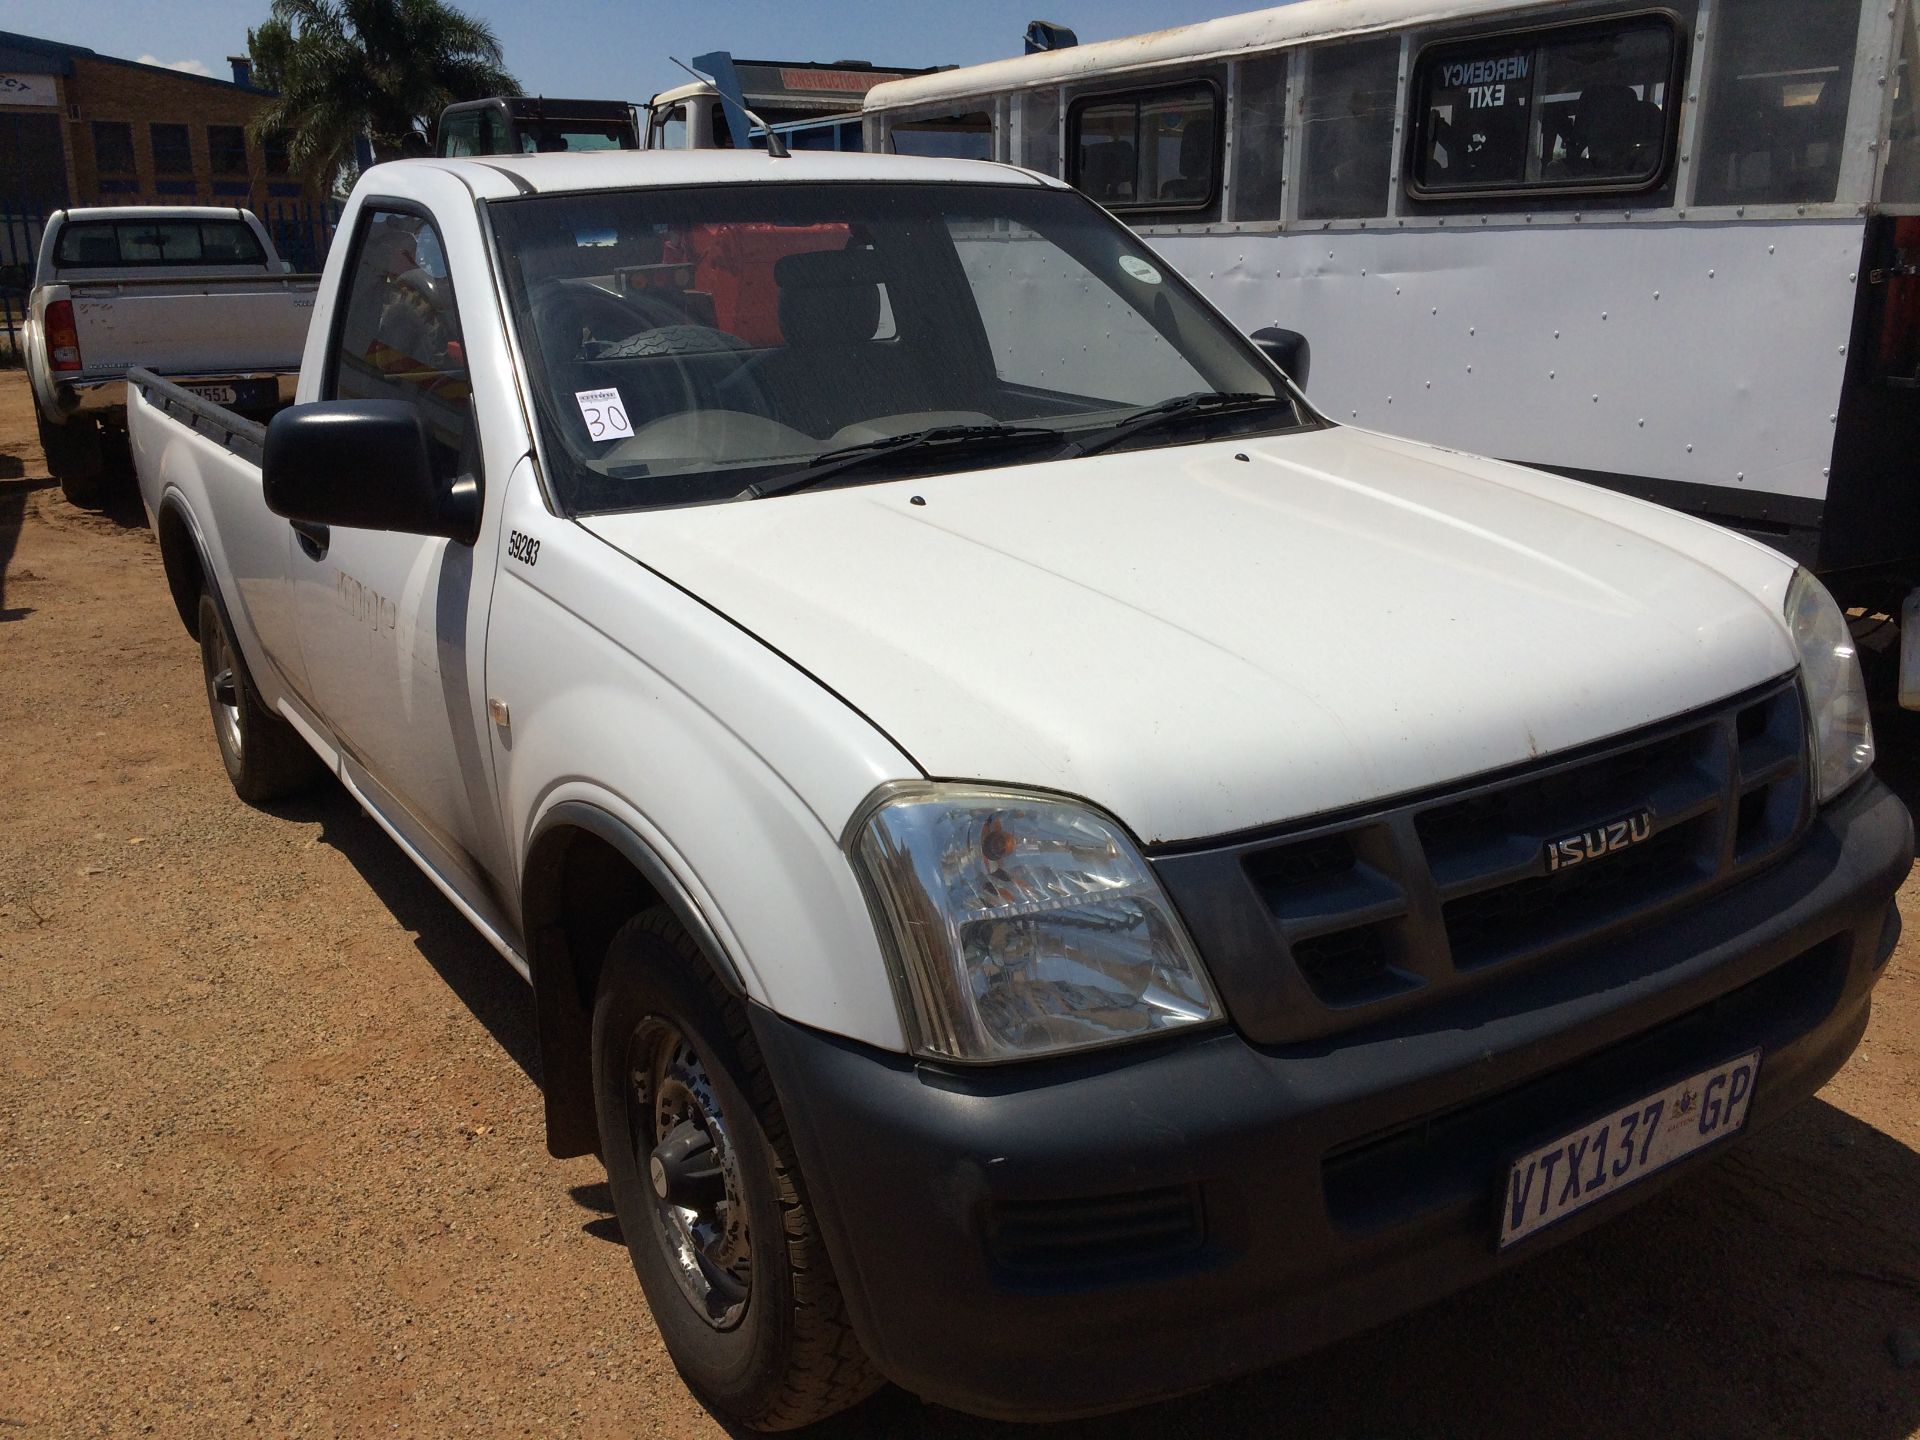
(1670, 249)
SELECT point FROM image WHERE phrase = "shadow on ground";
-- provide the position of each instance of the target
(471, 968)
(14, 491)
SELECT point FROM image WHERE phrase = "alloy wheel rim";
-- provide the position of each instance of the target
(672, 1108)
(223, 693)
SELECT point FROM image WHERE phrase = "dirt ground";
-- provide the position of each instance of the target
(271, 1157)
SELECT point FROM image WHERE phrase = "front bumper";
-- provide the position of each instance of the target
(1088, 1234)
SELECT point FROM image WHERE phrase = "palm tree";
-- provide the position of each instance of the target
(379, 68)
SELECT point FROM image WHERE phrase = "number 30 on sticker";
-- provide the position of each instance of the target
(604, 413)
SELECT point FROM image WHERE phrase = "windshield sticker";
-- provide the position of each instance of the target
(604, 413)
(1140, 269)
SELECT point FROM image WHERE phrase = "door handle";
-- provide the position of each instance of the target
(313, 538)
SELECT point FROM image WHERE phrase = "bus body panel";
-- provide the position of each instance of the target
(1582, 348)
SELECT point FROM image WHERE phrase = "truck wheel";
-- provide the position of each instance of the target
(709, 1194)
(265, 757)
(74, 457)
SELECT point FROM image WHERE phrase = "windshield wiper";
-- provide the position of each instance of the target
(831, 462)
(1201, 402)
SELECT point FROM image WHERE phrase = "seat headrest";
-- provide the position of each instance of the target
(828, 297)
(1613, 124)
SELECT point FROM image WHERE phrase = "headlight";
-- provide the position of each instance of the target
(1023, 925)
(1836, 695)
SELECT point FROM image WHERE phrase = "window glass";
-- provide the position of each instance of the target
(1027, 288)
(460, 134)
(673, 129)
(172, 150)
(158, 242)
(1346, 118)
(581, 135)
(952, 137)
(273, 151)
(1259, 138)
(744, 332)
(1900, 183)
(1776, 109)
(399, 338)
(227, 149)
(1150, 150)
(113, 147)
(1040, 131)
(1573, 107)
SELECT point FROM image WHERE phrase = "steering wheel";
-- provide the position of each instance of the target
(585, 322)
(570, 317)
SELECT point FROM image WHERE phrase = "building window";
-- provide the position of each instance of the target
(1575, 107)
(113, 147)
(273, 151)
(172, 151)
(227, 149)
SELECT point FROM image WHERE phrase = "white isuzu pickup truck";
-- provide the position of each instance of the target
(1050, 872)
(193, 292)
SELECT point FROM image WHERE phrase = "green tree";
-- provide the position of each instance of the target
(379, 68)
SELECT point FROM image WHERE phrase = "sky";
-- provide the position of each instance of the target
(606, 49)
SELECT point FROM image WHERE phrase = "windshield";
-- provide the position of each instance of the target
(687, 345)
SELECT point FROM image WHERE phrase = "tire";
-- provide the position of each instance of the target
(266, 758)
(768, 1346)
(74, 457)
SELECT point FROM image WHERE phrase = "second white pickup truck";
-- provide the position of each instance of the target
(1050, 872)
(195, 293)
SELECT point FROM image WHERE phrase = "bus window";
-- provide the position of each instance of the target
(1149, 149)
(1040, 131)
(948, 137)
(1900, 185)
(1777, 104)
(1259, 138)
(1347, 123)
(1575, 107)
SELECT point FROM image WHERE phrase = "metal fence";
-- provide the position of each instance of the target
(302, 232)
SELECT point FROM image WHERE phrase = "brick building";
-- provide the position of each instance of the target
(77, 128)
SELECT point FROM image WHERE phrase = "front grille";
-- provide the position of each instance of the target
(1365, 915)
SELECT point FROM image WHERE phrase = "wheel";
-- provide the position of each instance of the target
(708, 1193)
(265, 757)
(74, 457)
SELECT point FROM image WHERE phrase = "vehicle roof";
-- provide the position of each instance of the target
(535, 106)
(692, 89)
(155, 212)
(1223, 38)
(504, 176)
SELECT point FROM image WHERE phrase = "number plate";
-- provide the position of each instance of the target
(1546, 1185)
(239, 394)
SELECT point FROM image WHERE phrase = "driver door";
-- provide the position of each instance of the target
(393, 626)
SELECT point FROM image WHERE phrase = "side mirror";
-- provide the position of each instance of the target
(1288, 349)
(367, 465)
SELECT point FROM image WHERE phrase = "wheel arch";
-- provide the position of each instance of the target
(184, 557)
(587, 873)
